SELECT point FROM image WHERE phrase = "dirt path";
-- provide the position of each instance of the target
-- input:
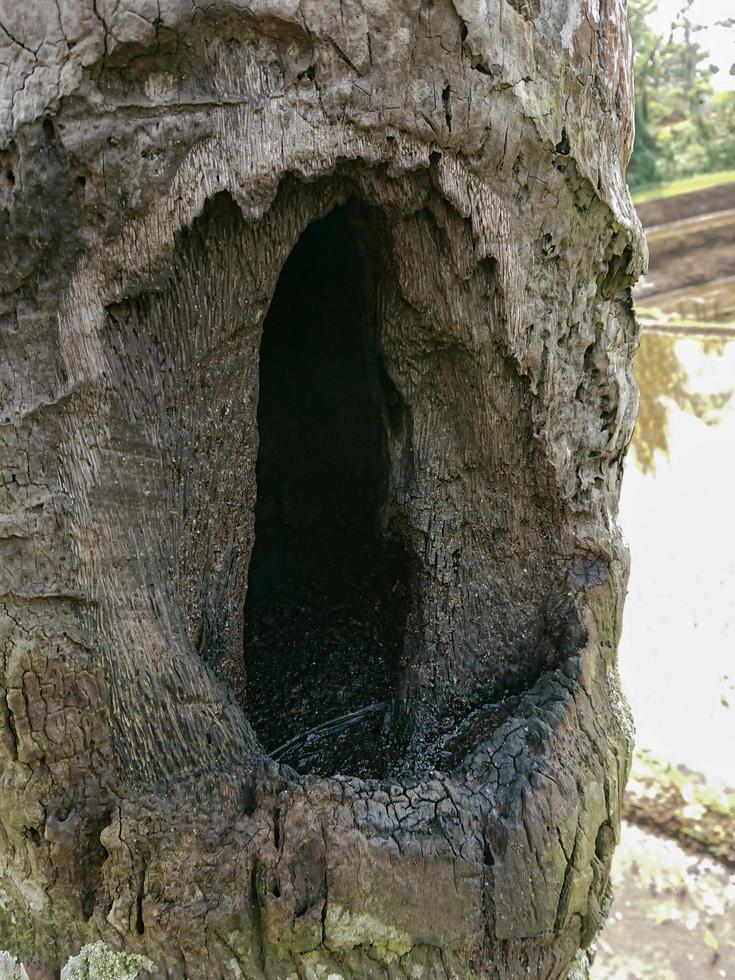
(691, 241)
(689, 253)
(687, 224)
(667, 209)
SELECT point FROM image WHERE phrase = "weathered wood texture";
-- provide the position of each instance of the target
(159, 161)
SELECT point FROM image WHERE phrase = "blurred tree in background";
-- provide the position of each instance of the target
(683, 127)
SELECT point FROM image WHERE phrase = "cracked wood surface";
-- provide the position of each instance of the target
(158, 161)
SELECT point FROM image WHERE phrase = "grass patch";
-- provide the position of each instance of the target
(698, 183)
(657, 320)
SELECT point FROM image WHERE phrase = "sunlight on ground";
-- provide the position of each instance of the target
(673, 916)
(676, 652)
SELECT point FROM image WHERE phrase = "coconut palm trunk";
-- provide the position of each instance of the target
(316, 383)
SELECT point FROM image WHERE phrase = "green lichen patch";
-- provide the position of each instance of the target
(10, 968)
(97, 961)
(345, 930)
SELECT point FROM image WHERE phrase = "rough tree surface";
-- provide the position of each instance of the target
(423, 203)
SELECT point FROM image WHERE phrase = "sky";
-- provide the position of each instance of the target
(719, 41)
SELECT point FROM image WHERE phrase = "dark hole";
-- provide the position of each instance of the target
(327, 591)
(447, 100)
(563, 146)
(139, 921)
(10, 176)
(32, 834)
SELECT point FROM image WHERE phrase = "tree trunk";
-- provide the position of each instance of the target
(316, 369)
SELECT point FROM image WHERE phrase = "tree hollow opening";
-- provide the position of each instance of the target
(325, 611)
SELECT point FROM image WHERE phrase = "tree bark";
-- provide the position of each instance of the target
(448, 179)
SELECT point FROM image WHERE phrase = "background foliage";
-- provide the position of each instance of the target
(683, 126)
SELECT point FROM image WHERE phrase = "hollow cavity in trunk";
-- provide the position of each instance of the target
(325, 607)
